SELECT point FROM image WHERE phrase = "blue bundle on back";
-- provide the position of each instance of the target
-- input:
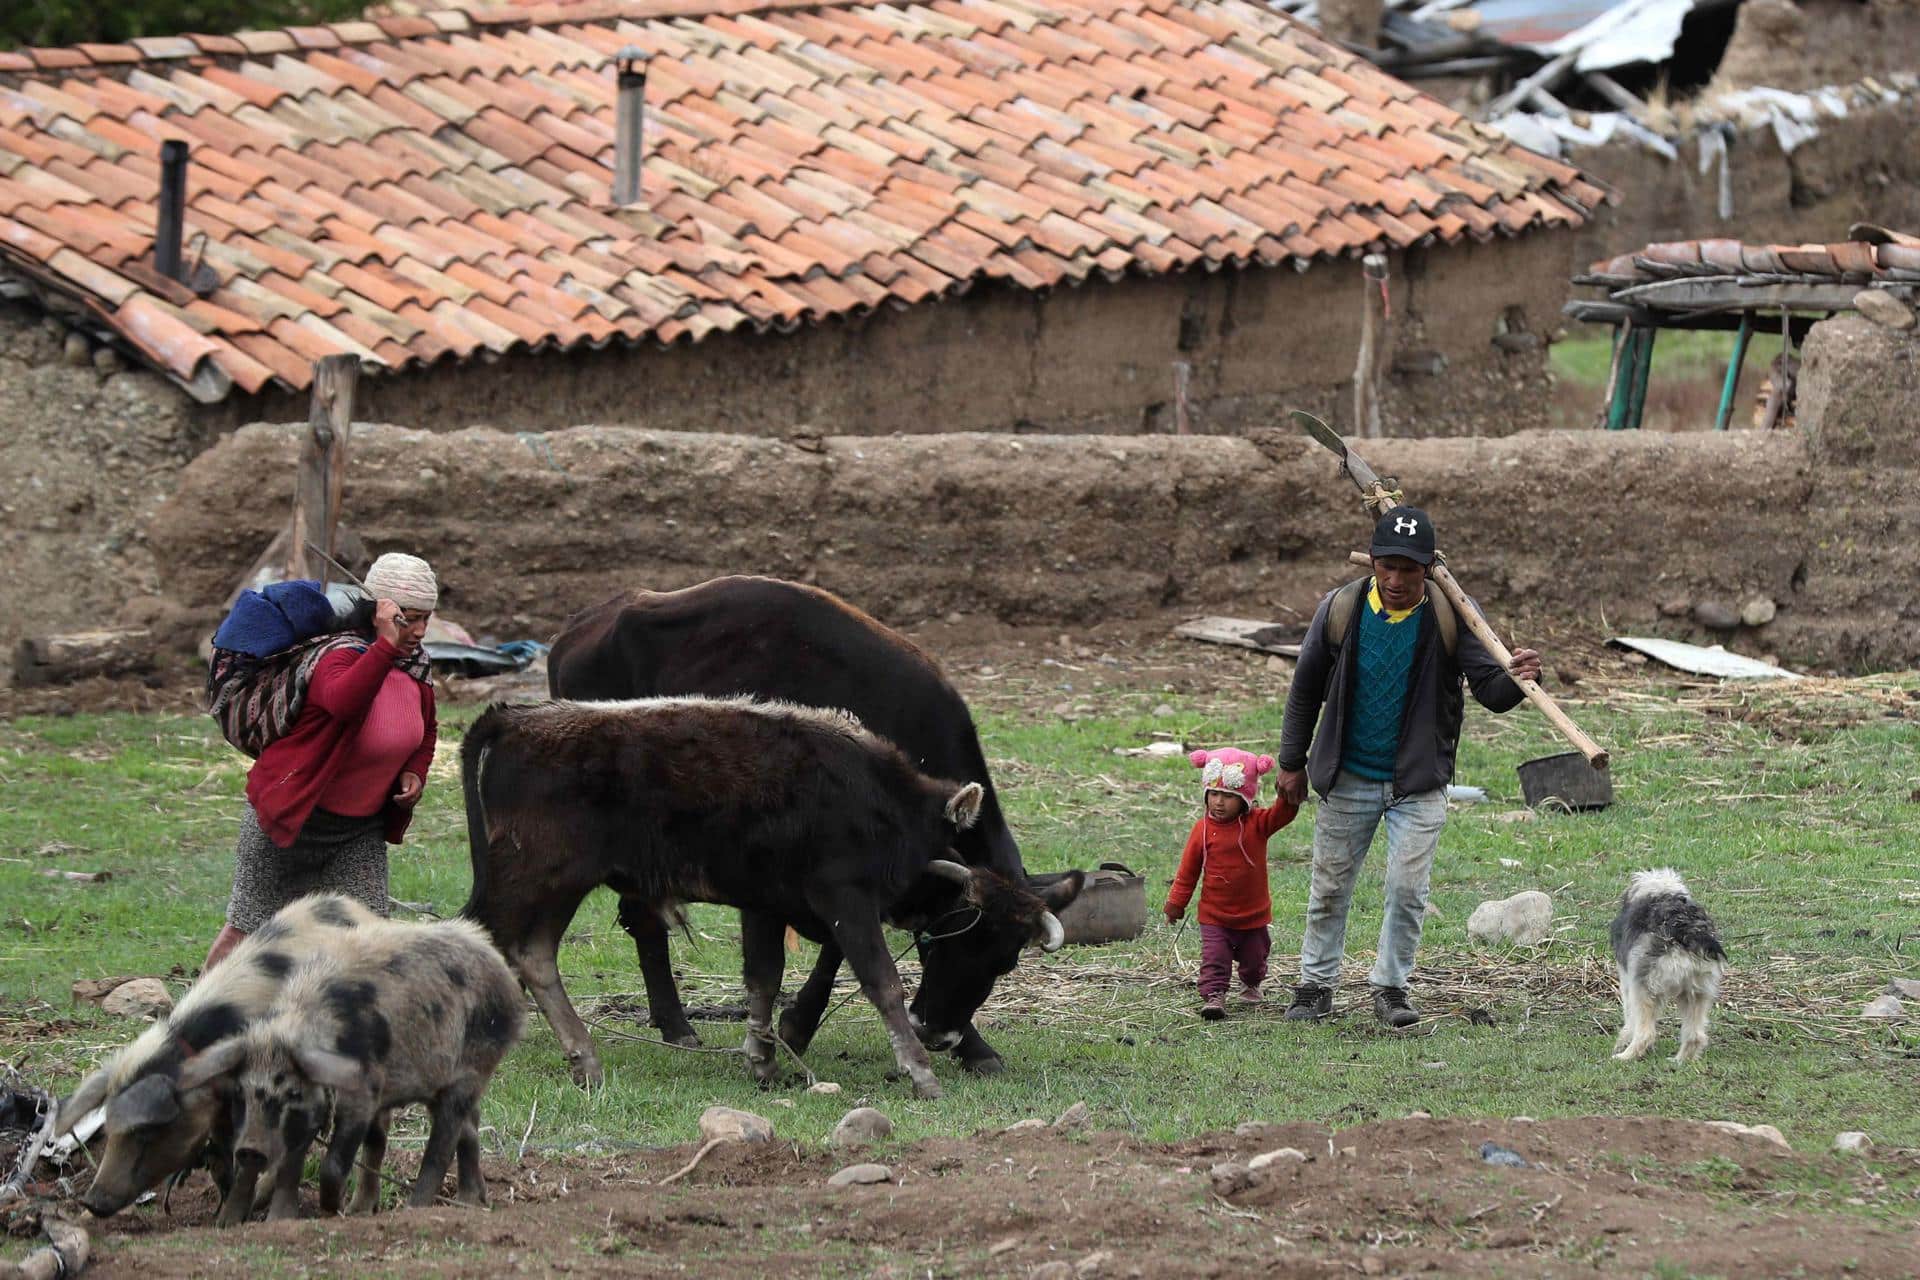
(275, 618)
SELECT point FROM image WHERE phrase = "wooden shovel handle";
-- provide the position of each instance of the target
(1442, 577)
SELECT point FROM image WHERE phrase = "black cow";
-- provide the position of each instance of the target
(781, 640)
(794, 815)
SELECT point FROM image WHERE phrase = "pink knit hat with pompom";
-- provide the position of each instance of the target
(1233, 771)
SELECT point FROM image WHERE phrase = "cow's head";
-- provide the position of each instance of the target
(970, 926)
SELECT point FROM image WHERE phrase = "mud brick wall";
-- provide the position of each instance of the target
(1096, 358)
(1560, 526)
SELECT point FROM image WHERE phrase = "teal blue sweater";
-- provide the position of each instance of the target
(1385, 656)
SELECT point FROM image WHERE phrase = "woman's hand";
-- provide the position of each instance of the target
(386, 623)
(411, 785)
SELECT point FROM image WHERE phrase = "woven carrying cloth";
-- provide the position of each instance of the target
(257, 700)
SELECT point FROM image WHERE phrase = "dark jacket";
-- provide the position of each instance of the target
(1430, 725)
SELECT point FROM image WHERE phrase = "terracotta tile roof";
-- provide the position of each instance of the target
(435, 185)
(1875, 255)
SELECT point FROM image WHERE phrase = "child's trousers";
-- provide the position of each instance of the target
(1221, 947)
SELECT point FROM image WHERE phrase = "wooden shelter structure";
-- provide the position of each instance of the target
(1724, 284)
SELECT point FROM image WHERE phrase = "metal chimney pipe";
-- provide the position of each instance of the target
(173, 210)
(629, 113)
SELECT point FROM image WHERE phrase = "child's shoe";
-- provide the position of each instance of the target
(1249, 995)
(1214, 1008)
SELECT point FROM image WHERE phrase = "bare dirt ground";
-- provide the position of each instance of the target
(1401, 1197)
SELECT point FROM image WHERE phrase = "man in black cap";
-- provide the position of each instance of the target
(1384, 657)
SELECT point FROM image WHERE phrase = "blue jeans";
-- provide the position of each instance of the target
(1343, 828)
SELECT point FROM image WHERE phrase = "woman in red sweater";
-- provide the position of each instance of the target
(325, 800)
(1226, 855)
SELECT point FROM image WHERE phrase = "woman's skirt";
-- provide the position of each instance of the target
(333, 854)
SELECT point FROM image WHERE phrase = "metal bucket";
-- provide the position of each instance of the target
(1566, 779)
(1112, 906)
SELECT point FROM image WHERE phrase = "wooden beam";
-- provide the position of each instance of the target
(1613, 91)
(320, 481)
(1366, 368)
(1545, 78)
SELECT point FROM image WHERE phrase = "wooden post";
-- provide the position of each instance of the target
(1366, 369)
(320, 482)
(1442, 577)
(1182, 371)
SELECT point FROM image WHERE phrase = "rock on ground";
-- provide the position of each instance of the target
(1852, 1140)
(1073, 1117)
(1266, 1158)
(860, 1127)
(1885, 1009)
(138, 998)
(1524, 919)
(725, 1124)
(859, 1175)
(1230, 1177)
(1905, 988)
(1765, 1131)
(1032, 1124)
(823, 1086)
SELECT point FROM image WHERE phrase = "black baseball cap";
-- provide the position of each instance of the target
(1403, 531)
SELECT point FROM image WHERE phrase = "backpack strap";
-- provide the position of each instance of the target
(1340, 612)
(1445, 620)
(1347, 599)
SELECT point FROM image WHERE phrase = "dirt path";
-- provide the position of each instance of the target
(1637, 1196)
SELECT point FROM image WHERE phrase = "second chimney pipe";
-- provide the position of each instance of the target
(173, 209)
(629, 111)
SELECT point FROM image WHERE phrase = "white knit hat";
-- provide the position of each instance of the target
(406, 580)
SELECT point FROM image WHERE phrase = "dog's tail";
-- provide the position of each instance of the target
(1689, 927)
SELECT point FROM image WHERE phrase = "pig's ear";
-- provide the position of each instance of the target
(222, 1060)
(91, 1093)
(325, 1067)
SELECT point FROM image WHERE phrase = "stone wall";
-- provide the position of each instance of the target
(87, 451)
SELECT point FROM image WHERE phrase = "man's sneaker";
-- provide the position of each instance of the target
(1311, 1002)
(1214, 1008)
(1249, 995)
(1391, 1007)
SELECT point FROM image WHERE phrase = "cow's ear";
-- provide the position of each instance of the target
(963, 806)
(1063, 891)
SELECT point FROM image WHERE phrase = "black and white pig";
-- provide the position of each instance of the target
(156, 1123)
(394, 1014)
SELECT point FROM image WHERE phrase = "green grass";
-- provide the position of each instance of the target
(1794, 824)
(1584, 357)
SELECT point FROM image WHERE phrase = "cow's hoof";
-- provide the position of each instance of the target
(687, 1041)
(796, 1039)
(927, 1087)
(586, 1072)
(991, 1065)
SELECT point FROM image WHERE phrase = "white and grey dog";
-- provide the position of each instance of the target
(1666, 949)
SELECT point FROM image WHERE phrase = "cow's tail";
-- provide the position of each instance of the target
(473, 767)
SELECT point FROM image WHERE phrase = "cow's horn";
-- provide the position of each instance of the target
(1056, 933)
(948, 870)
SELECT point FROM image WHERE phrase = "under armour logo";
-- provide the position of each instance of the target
(1405, 524)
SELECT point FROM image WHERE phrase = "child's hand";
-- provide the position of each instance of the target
(1172, 914)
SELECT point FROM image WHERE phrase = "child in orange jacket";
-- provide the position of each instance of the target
(1226, 854)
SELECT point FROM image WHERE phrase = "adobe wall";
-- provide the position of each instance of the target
(1096, 358)
(1567, 527)
(1862, 168)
